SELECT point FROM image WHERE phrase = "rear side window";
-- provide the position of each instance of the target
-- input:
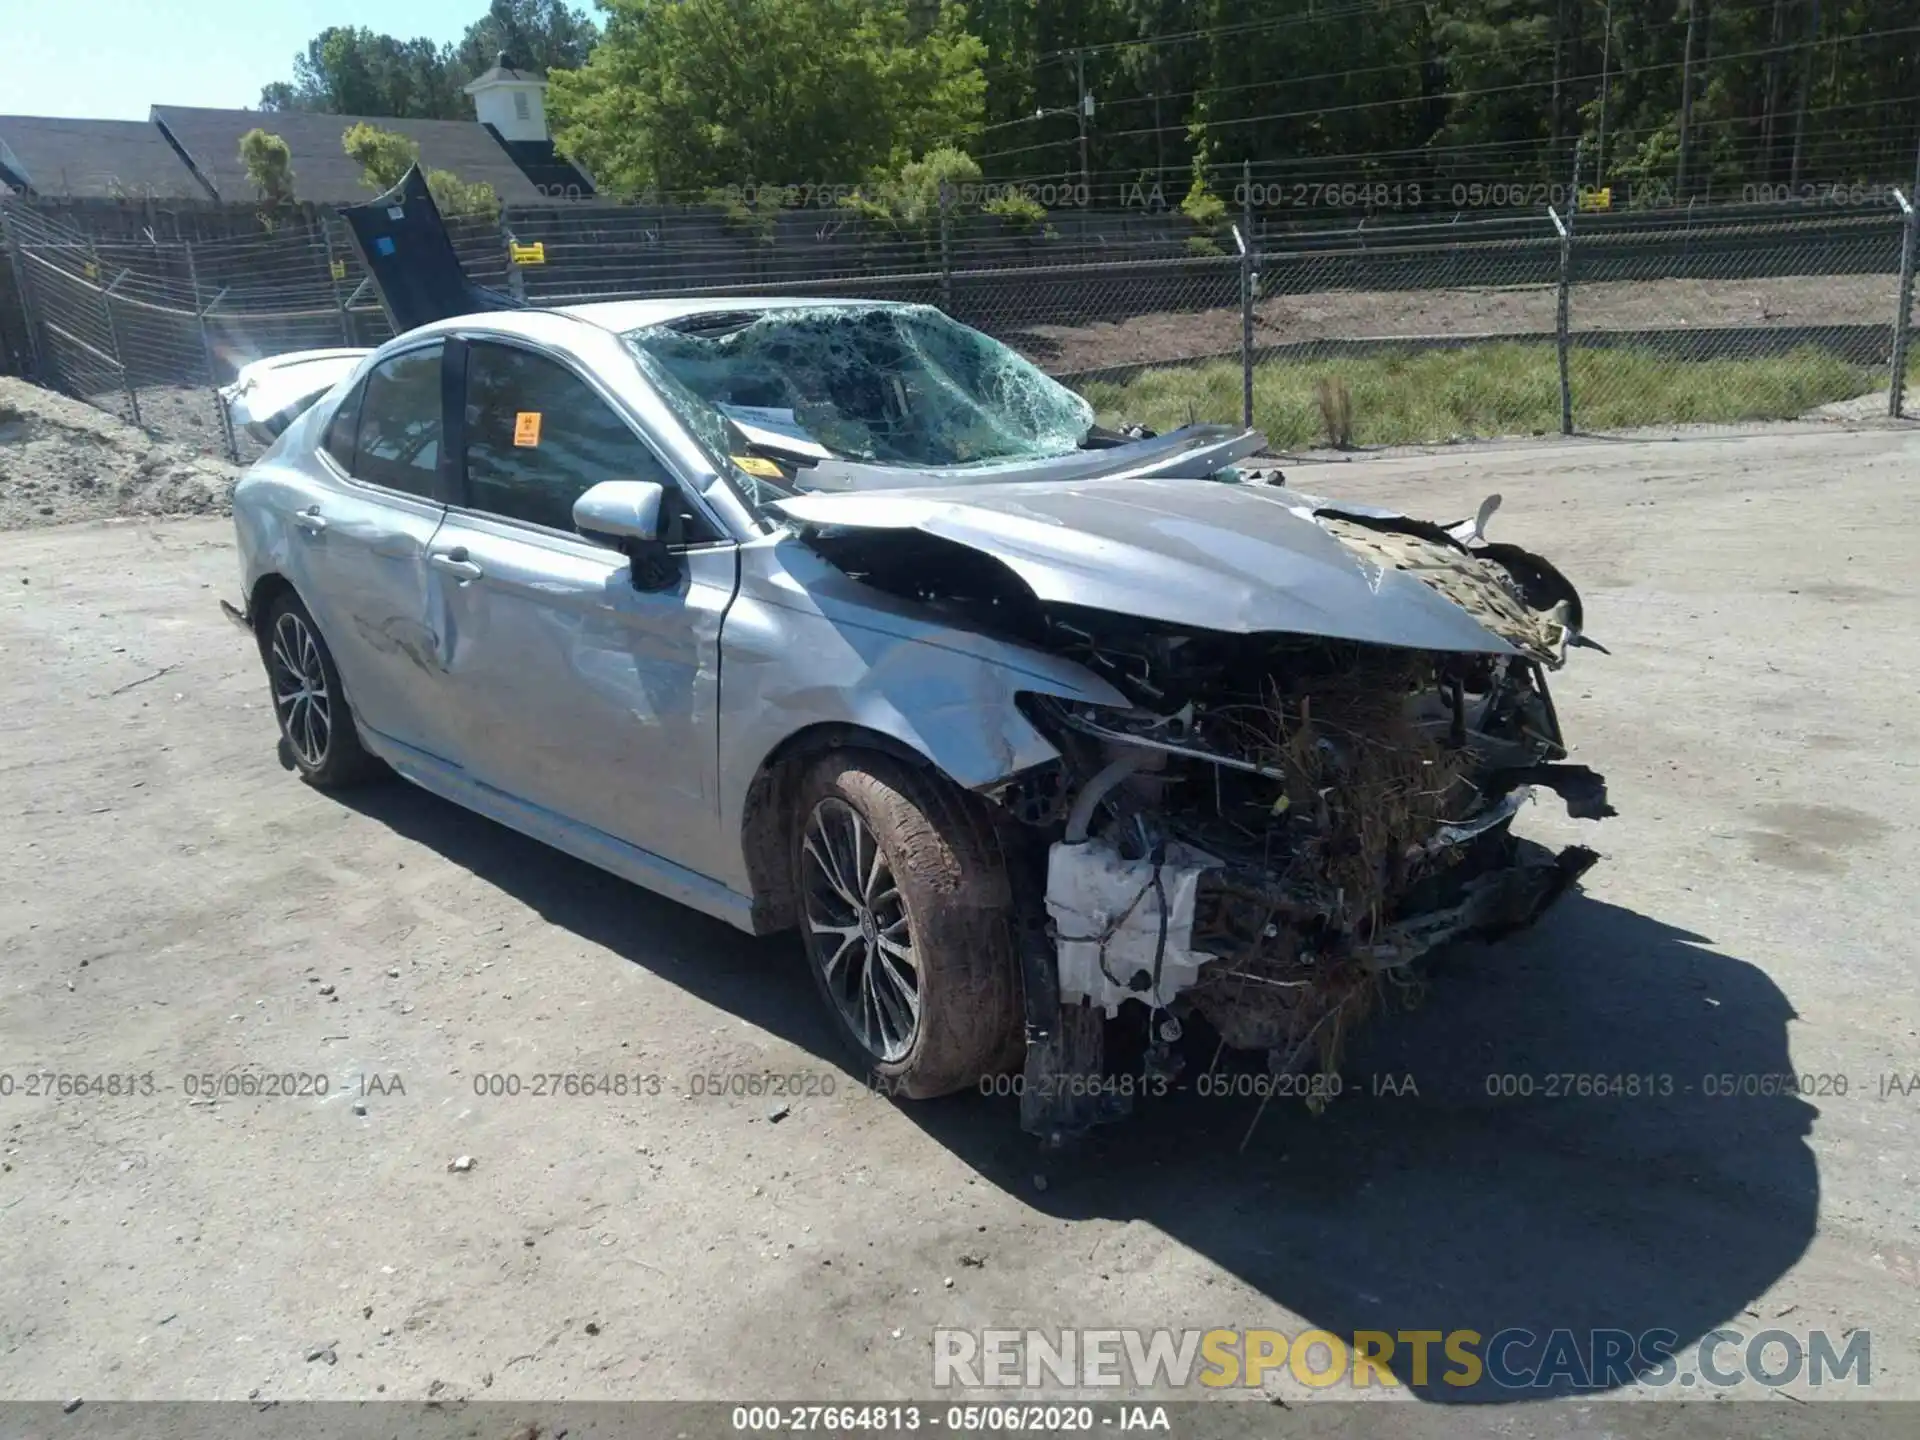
(538, 437)
(340, 429)
(400, 434)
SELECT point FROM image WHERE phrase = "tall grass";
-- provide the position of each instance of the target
(1431, 396)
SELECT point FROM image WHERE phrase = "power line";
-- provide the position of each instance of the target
(1460, 95)
(1448, 97)
(1368, 10)
(1412, 63)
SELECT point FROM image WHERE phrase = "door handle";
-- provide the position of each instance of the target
(455, 562)
(310, 520)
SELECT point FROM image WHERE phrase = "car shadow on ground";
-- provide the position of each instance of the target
(1568, 1133)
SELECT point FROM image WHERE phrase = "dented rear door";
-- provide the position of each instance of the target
(358, 546)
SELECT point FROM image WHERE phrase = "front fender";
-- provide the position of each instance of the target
(805, 646)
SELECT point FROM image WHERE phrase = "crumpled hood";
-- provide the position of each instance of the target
(1242, 558)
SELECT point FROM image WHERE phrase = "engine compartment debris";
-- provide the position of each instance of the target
(1278, 824)
(1123, 926)
(1355, 803)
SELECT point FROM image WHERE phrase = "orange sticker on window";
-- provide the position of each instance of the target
(526, 428)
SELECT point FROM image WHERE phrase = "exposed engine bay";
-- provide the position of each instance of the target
(1281, 823)
(1305, 820)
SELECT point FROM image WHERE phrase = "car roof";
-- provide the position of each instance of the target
(621, 316)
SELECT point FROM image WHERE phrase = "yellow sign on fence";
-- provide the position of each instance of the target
(339, 269)
(1601, 199)
(534, 254)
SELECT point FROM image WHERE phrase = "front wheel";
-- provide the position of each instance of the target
(904, 911)
(316, 727)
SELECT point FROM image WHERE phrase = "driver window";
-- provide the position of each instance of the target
(538, 438)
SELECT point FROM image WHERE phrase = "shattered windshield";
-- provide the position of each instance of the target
(890, 385)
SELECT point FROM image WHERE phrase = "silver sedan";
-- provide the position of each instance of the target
(843, 616)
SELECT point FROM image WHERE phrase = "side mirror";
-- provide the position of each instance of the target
(622, 510)
(626, 513)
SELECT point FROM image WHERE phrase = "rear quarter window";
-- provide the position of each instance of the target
(400, 434)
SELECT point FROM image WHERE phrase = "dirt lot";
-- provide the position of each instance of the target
(63, 460)
(1787, 301)
(176, 905)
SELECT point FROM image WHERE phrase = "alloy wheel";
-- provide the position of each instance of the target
(300, 695)
(860, 938)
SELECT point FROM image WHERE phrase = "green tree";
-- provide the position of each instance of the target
(911, 200)
(542, 35)
(689, 95)
(347, 70)
(268, 162)
(384, 157)
(269, 166)
(1465, 103)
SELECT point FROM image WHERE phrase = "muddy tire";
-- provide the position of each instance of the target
(317, 733)
(904, 911)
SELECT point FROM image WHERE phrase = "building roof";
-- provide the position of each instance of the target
(113, 158)
(555, 176)
(321, 170)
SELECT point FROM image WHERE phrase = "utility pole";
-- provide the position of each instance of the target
(1159, 132)
(1573, 203)
(1559, 33)
(1686, 102)
(1800, 107)
(1606, 76)
(1770, 118)
(1083, 111)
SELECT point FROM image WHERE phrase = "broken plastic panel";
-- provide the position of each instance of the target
(895, 385)
(1125, 926)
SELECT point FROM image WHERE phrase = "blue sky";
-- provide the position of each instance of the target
(111, 59)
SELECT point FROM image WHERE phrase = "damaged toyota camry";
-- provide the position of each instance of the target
(1049, 740)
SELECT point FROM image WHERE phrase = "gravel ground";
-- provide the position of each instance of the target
(175, 904)
(63, 460)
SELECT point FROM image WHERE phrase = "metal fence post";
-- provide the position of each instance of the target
(516, 282)
(119, 355)
(946, 250)
(333, 283)
(1245, 236)
(1560, 336)
(22, 284)
(200, 313)
(1903, 312)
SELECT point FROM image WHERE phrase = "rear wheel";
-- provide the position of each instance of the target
(316, 727)
(905, 916)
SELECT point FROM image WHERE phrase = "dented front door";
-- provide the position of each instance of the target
(578, 692)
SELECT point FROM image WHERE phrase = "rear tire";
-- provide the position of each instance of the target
(904, 910)
(316, 725)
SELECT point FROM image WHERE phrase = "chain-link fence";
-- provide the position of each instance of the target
(1774, 319)
(1369, 334)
